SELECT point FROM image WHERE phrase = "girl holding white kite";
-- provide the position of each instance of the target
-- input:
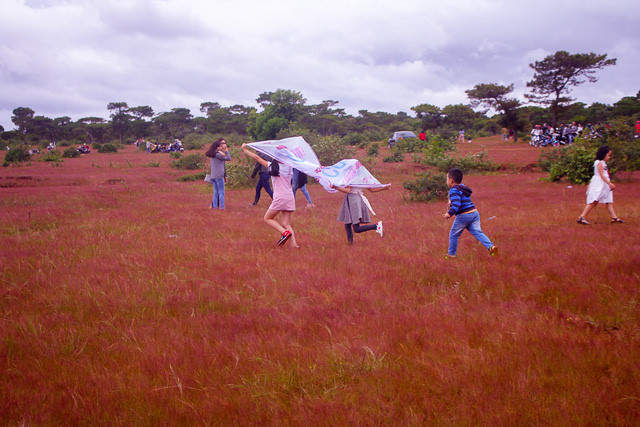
(283, 198)
(355, 211)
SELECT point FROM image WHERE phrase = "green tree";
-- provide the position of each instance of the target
(494, 96)
(22, 117)
(174, 123)
(459, 116)
(139, 126)
(281, 108)
(120, 118)
(555, 75)
(627, 106)
(94, 127)
(429, 115)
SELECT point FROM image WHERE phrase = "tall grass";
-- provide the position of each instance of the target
(125, 300)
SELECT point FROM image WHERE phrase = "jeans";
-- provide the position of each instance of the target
(471, 222)
(218, 193)
(263, 182)
(294, 185)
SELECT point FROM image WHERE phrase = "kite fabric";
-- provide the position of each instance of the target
(298, 154)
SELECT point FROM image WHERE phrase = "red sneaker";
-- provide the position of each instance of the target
(285, 236)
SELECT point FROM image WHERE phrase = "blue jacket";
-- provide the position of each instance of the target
(460, 198)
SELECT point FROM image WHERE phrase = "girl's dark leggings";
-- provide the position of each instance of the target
(358, 228)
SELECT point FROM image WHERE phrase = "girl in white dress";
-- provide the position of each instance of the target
(600, 188)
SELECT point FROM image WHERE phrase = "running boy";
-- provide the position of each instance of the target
(467, 216)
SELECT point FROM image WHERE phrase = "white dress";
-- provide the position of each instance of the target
(598, 190)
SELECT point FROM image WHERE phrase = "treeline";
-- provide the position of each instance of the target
(284, 109)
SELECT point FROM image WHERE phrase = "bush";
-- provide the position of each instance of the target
(355, 139)
(190, 162)
(374, 149)
(438, 154)
(330, 150)
(195, 141)
(70, 152)
(575, 162)
(427, 187)
(16, 155)
(107, 148)
(239, 171)
(191, 178)
(410, 145)
(51, 156)
(396, 157)
(175, 154)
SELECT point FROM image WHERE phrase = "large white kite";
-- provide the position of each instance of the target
(297, 153)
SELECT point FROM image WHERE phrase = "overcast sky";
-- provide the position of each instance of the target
(73, 57)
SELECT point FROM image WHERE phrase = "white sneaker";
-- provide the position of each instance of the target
(379, 229)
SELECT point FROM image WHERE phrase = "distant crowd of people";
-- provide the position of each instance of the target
(544, 135)
(161, 147)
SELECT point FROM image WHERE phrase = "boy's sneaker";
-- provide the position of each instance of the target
(379, 229)
(285, 236)
(493, 250)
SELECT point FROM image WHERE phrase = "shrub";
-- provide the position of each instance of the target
(16, 155)
(575, 162)
(51, 156)
(190, 162)
(427, 187)
(70, 152)
(239, 171)
(175, 154)
(330, 150)
(194, 177)
(109, 147)
(396, 157)
(355, 139)
(195, 141)
(438, 154)
(410, 145)
(374, 149)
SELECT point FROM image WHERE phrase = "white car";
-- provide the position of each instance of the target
(397, 136)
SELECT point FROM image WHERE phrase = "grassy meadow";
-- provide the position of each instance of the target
(124, 300)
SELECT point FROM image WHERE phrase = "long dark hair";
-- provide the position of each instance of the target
(211, 152)
(602, 152)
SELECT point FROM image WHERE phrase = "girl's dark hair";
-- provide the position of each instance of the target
(274, 168)
(602, 152)
(211, 152)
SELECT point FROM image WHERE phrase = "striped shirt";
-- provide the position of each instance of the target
(460, 199)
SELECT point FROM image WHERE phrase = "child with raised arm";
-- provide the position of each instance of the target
(283, 199)
(467, 216)
(355, 211)
(600, 188)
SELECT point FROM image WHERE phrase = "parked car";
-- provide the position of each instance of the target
(397, 136)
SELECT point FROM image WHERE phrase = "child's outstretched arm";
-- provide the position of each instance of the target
(376, 189)
(341, 189)
(254, 156)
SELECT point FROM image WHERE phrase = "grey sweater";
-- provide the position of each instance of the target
(218, 168)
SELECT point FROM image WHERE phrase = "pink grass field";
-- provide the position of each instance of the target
(124, 300)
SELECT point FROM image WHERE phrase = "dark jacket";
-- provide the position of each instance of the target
(258, 168)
